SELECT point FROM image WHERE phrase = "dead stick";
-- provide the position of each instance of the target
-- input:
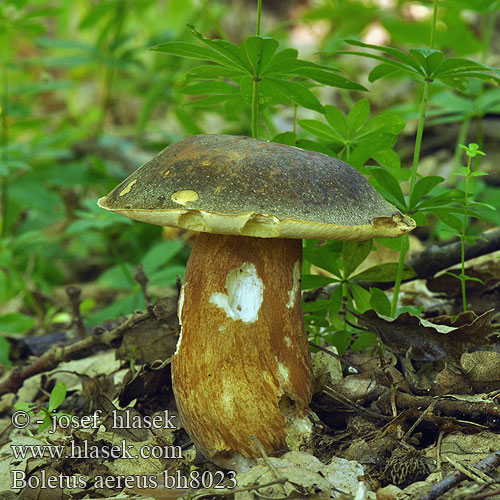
(58, 354)
(435, 258)
(485, 465)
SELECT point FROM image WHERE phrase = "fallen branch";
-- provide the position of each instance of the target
(487, 464)
(471, 410)
(436, 258)
(57, 354)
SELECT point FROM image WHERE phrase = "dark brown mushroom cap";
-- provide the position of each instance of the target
(237, 185)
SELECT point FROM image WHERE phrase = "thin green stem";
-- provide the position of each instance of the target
(295, 119)
(255, 107)
(414, 171)
(433, 26)
(413, 180)
(272, 130)
(259, 16)
(110, 71)
(4, 141)
(420, 134)
(405, 245)
(255, 87)
(118, 258)
(464, 232)
(462, 137)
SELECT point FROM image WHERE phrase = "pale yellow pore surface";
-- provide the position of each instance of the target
(269, 226)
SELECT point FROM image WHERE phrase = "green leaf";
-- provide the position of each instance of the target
(353, 254)
(396, 53)
(118, 277)
(320, 129)
(119, 307)
(213, 87)
(168, 275)
(389, 183)
(336, 119)
(315, 306)
(57, 396)
(295, 92)
(387, 158)
(192, 51)
(365, 340)
(260, 51)
(384, 273)
(422, 187)
(361, 296)
(288, 138)
(388, 123)
(211, 71)
(160, 254)
(341, 339)
(214, 100)
(358, 115)
(16, 323)
(282, 60)
(380, 302)
(449, 219)
(429, 59)
(382, 70)
(4, 352)
(325, 257)
(310, 281)
(329, 78)
(230, 52)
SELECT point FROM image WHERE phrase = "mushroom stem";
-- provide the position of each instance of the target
(242, 364)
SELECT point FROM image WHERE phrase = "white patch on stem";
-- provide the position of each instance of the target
(179, 314)
(292, 294)
(245, 291)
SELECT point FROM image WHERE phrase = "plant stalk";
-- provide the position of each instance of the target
(259, 16)
(255, 87)
(416, 158)
(433, 26)
(4, 141)
(464, 230)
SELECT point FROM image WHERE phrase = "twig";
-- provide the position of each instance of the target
(74, 294)
(445, 407)
(466, 472)
(57, 354)
(485, 465)
(201, 494)
(334, 355)
(419, 419)
(438, 454)
(142, 279)
(269, 464)
(434, 258)
(351, 404)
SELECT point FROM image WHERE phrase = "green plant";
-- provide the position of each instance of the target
(341, 261)
(47, 415)
(252, 75)
(468, 204)
(425, 65)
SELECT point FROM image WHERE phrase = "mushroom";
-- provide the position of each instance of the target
(242, 365)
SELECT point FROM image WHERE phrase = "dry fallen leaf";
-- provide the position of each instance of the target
(429, 341)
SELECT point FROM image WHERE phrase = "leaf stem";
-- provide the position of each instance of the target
(255, 86)
(255, 107)
(464, 232)
(405, 245)
(419, 136)
(433, 26)
(259, 16)
(414, 171)
(4, 141)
